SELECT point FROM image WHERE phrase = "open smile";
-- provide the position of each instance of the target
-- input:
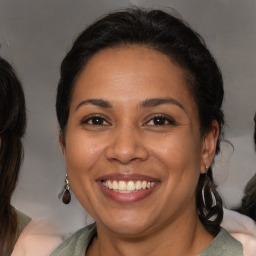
(130, 186)
(127, 188)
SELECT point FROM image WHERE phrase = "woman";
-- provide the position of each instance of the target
(139, 108)
(248, 206)
(241, 222)
(12, 129)
(19, 235)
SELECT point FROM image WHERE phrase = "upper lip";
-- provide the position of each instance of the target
(126, 177)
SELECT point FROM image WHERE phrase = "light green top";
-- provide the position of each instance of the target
(22, 220)
(223, 244)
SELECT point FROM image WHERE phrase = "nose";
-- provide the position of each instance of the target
(126, 146)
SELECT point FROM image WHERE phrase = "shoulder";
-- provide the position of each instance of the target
(37, 238)
(235, 222)
(77, 244)
(223, 244)
(242, 228)
(248, 242)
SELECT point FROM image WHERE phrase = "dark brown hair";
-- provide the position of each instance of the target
(173, 37)
(12, 128)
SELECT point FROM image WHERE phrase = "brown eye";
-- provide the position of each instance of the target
(95, 120)
(160, 120)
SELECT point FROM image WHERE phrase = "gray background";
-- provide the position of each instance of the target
(34, 37)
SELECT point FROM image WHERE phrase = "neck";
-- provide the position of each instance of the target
(184, 237)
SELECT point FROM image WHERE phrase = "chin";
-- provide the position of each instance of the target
(128, 225)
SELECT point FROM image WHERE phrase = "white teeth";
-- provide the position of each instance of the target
(138, 185)
(109, 184)
(127, 186)
(115, 184)
(122, 185)
(144, 184)
(130, 185)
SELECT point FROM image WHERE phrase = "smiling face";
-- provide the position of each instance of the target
(133, 147)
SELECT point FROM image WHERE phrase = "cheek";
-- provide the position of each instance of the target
(81, 155)
(180, 157)
(178, 150)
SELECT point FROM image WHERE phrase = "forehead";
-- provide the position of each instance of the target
(132, 72)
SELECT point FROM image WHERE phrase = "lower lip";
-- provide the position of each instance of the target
(126, 197)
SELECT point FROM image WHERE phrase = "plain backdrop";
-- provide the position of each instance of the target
(35, 36)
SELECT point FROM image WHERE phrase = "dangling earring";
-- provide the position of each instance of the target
(206, 174)
(206, 170)
(66, 197)
(206, 189)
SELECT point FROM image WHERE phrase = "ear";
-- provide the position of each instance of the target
(209, 143)
(62, 142)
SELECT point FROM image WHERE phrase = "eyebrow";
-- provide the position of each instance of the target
(159, 101)
(96, 102)
(145, 104)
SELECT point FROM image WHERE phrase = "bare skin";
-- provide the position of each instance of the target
(132, 115)
(182, 243)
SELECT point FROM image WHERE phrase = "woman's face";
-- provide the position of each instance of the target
(133, 147)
